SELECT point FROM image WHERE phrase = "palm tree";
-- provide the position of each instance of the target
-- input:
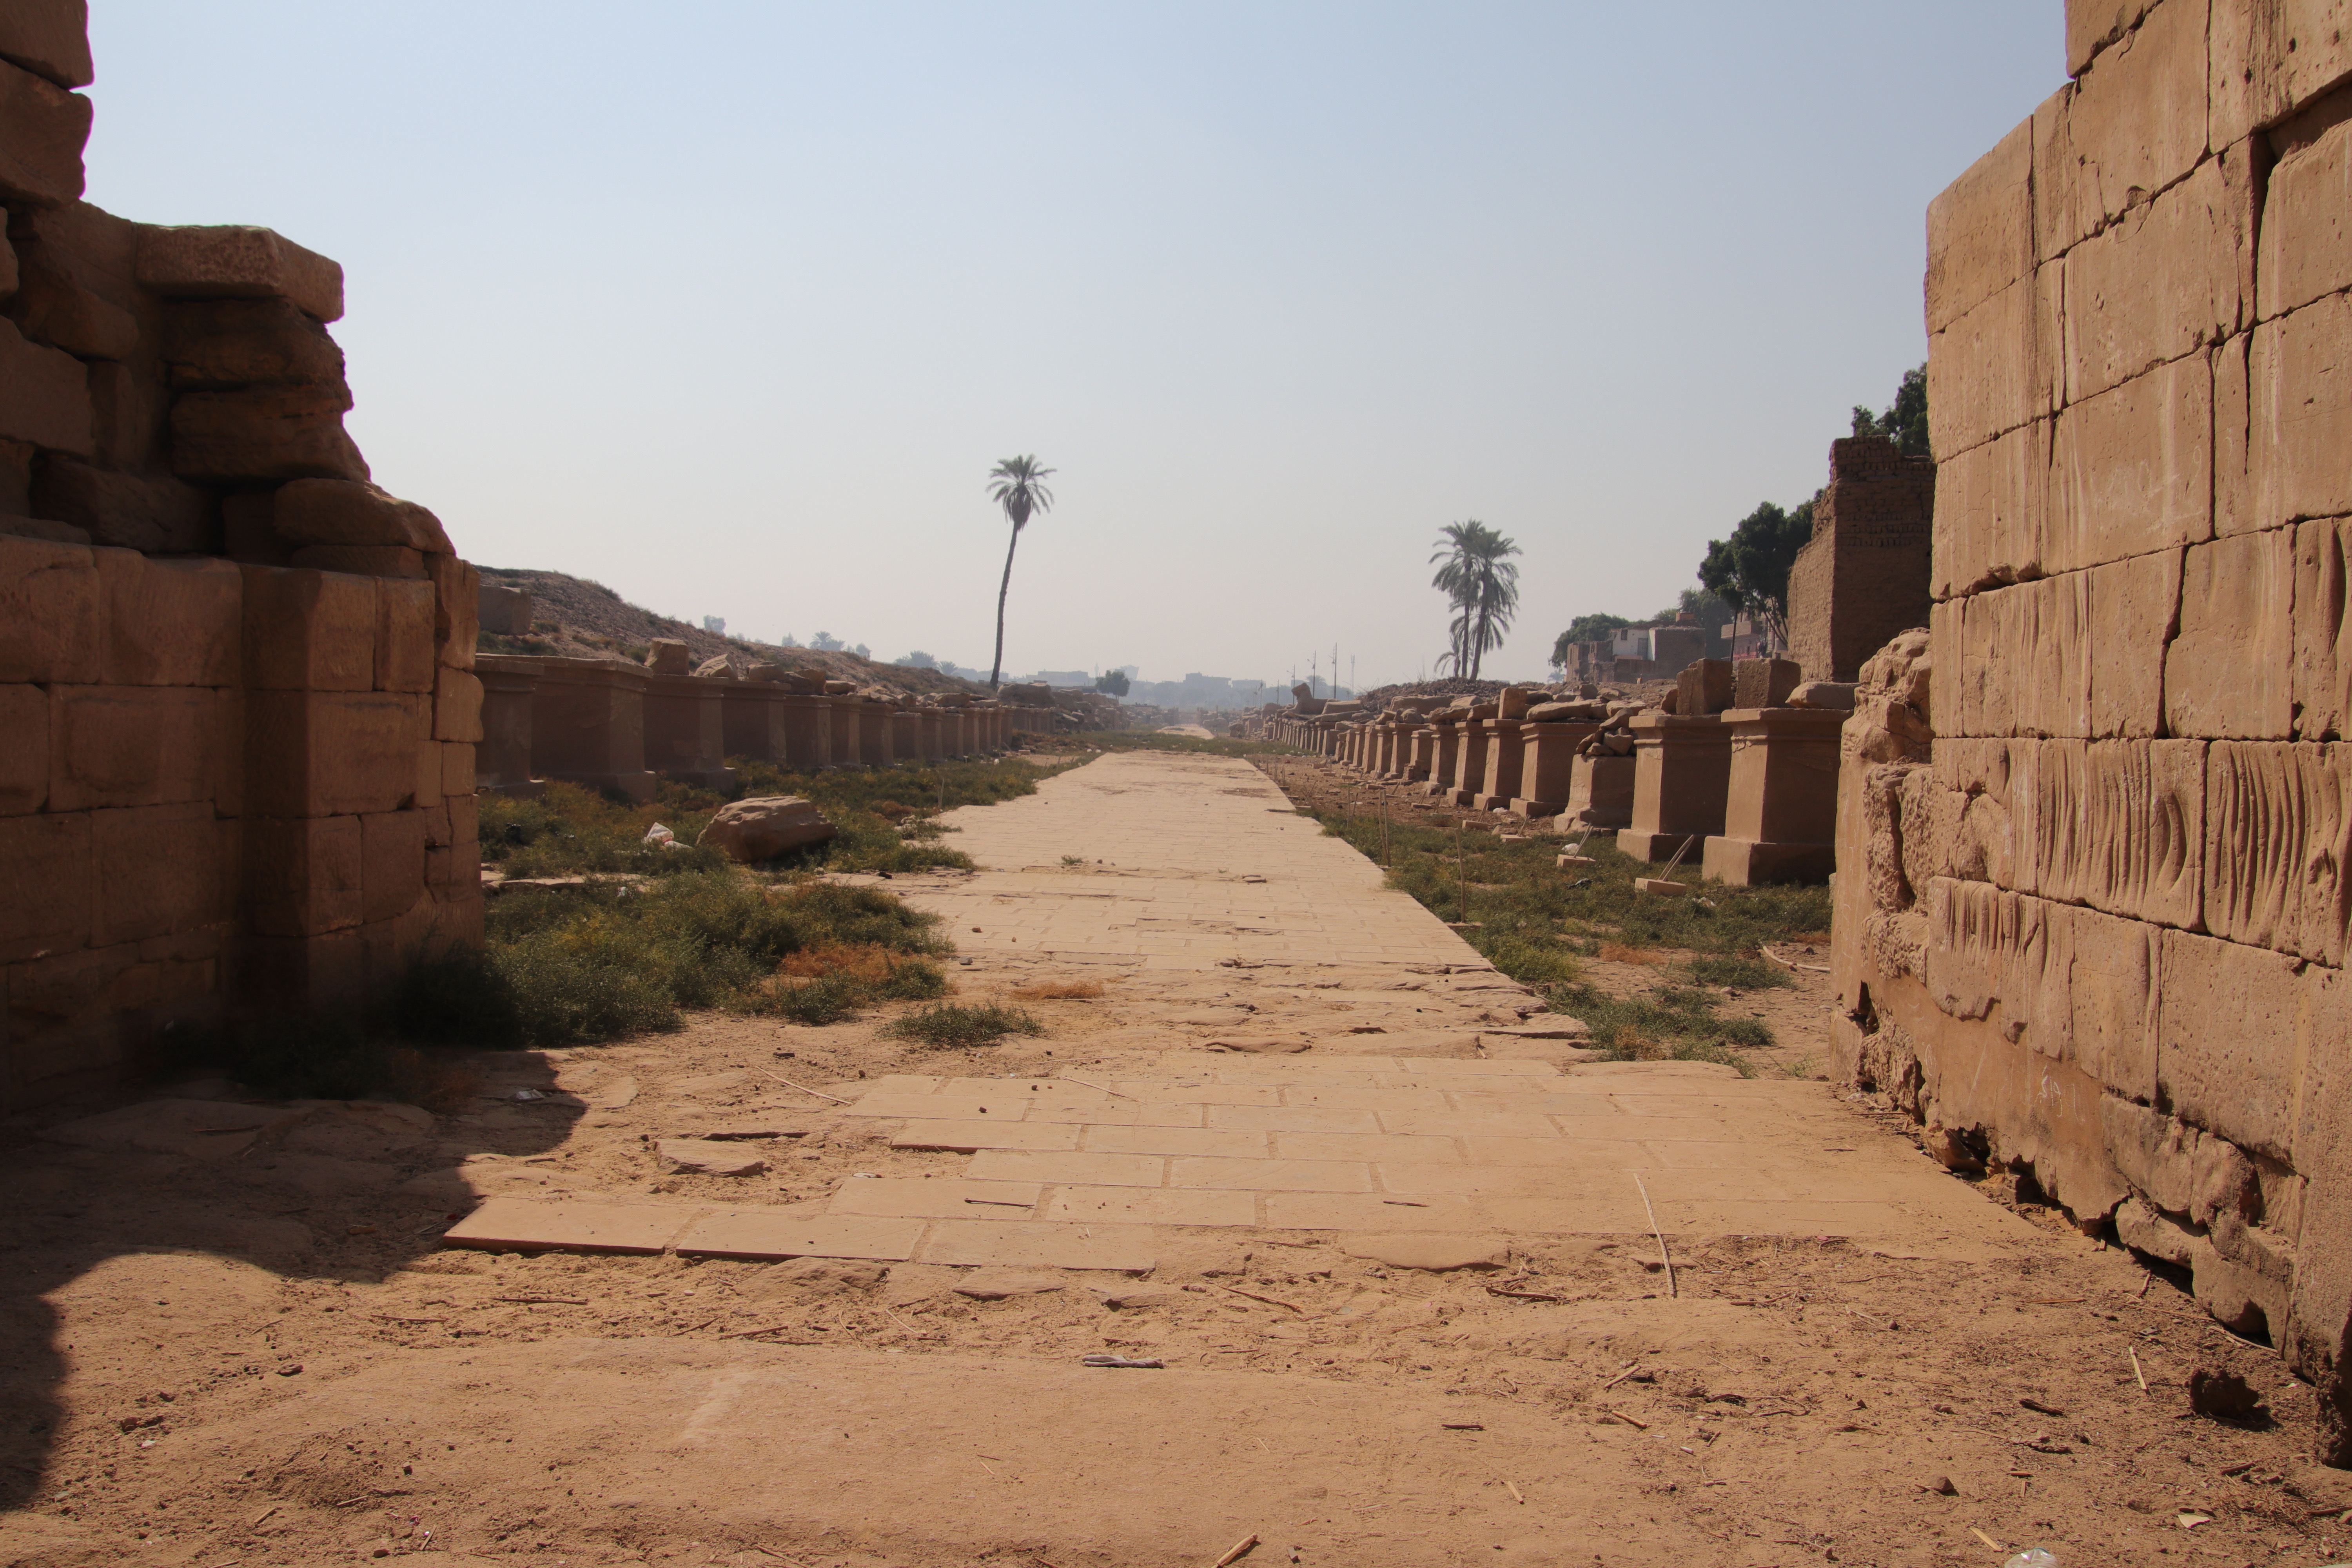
(1018, 485)
(1475, 570)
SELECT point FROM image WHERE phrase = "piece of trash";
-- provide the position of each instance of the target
(2032, 1557)
(657, 833)
(526, 1094)
(2191, 1521)
(1139, 1364)
(1233, 1554)
(146, 1442)
(1463, 1426)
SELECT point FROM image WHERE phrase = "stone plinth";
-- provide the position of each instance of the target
(876, 746)
(588, 726)
(1506, 741)
(1546, 765)
(848, 738)
(1470, 742)
(1420, 749)
(685, 729)
(1444, 757)
(906, 735)
(502, 760)
(752, 720)
(808, 722)
(1682, 776)
(1779, 820)
(1599, 793)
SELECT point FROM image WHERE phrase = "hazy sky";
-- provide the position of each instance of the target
(731, 306)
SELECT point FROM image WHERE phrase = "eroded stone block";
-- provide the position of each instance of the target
(50, 850)
(2116, 824)
(48, 38)
(2298, 417)
(52, 611)
(2227, 1021)
(135, 511)
(264, 433)
(404, 639)
(2230, 669)
(304, 875)
(43, 129)
(2133, 470)
(2276, 837)
(232, 261)
(326, 754)
(44, 394)
(1980, 230)
(160, 870)
(310, 631)
(2322, 631)
(131, 745)
(2172, 276)
(353, 511)
(171, 622)
(2133, 125)
(1998, 367)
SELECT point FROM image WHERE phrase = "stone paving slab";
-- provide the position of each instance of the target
(570, 1225)
(769, 1234)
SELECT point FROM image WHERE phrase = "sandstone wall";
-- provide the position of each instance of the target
(1862, 577)
(2092, 910)
(235, 685)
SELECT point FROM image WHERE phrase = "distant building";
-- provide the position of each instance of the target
(1748, 637)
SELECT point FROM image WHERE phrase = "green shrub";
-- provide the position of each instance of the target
(1738, 973)
(949, 1024)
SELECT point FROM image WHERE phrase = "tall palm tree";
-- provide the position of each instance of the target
(1018, 485)
(1475, 570)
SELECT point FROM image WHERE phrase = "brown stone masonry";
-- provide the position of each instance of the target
(2093, 824)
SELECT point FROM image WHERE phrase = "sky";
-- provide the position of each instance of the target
(731, 307)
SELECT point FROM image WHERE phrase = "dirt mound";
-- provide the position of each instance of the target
(575, 618)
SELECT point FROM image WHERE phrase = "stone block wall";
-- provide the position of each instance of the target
(237, 712)
(2094, 825)
(1862, 577)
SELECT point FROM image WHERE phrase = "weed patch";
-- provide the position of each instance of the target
(602, 962)
(949, 1024)
(1740, 974)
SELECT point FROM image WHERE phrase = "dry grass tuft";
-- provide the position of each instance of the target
(1618, 952)
(867, 961)
(1058, 990)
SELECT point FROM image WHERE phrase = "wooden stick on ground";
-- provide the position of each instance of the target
(802, 1086)
(1234, 1553)
(1106, 1089)
(2135, 1371)
(1664, 1256)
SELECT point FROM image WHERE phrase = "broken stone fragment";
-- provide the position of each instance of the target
(1835, 696)
(668, 656)
(764, 827)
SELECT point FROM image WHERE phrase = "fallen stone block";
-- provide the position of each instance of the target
(1661, 887)
(1834, 695)
(764, 827)
(668, 656)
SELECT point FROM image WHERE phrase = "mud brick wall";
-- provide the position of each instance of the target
(236, 705)
(2094, 831)
(1862, 577)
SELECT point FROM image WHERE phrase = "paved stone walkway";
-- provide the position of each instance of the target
(1259, 1112)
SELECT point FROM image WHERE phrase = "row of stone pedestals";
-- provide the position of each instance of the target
(1751, 791)
(610, 726)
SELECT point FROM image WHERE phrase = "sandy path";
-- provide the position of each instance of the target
(259, 1356)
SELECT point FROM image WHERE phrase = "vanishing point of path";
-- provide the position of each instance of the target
(1390, 1236)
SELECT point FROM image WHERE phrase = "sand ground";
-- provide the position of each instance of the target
(236, 1335)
